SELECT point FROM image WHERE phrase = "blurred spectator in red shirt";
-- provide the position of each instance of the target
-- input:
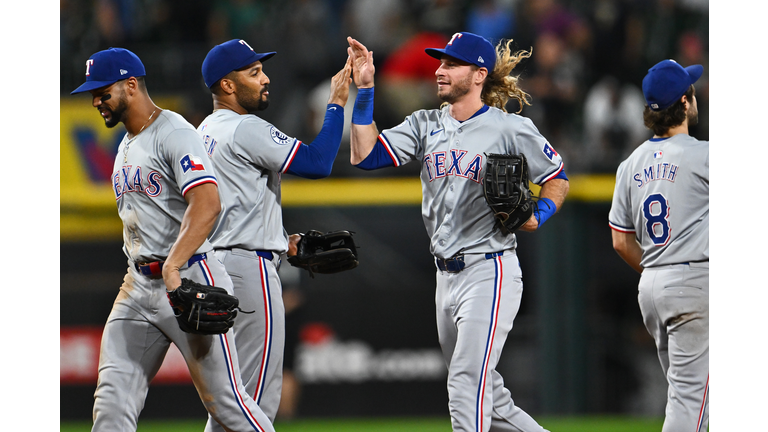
(408, 81)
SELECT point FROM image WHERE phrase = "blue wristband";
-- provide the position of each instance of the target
(546, 208)
(362, 113)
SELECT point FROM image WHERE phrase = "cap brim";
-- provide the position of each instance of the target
(439, 53)
(216, 77)
(92, 85)
(262, 57)
(435, 52)
(695, 72)
(265, 56)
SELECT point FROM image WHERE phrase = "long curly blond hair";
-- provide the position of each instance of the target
(500, 86)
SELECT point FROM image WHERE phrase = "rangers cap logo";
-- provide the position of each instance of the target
(468, 47)
(108, 67)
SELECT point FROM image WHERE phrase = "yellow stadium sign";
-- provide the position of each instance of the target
(88, 149)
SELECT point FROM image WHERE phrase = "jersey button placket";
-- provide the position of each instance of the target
(450, 199)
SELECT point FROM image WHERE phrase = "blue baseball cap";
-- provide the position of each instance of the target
(470, 48)
(110, 66)
(227, 57)
(667, 81)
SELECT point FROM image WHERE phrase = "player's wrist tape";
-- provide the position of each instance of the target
(546, 208)
(362, 113)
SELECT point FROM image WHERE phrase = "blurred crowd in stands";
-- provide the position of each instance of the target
(584, 77)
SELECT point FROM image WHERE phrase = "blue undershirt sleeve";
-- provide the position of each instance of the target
(377, 158)
(315, 160)
(546, 207)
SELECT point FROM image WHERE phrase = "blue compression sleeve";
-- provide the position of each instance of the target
(377, 158)
(315, 160)
(362, 113)
(546, 208)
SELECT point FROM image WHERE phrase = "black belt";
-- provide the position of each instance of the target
(456, 264)
(154, 270)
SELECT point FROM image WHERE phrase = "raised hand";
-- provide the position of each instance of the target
(340, 85)
(362, 63)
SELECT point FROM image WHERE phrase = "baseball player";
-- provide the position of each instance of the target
(479, 282)
(166, 192)
(660, 227)
(250, 155)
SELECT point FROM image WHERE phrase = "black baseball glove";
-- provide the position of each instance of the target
(506, 190)
(203, 309)
(331, 252)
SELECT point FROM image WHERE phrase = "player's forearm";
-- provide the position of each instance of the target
(556, 191)
(551, 199)
(197, 223)
(626, 246)
(363, 131)
(315, 161)
(362, 139)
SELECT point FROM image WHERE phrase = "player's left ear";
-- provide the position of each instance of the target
(131, 86)
(685, 101)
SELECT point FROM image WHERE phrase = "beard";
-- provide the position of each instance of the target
(693, 116)
(253, 101)
(116, 114)
(456, 90)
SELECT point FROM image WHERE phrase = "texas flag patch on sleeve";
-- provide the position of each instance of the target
(549, 151)
(191, 163)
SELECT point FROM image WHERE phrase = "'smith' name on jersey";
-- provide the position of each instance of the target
(441, 164)
(130, 179)
(660, 171)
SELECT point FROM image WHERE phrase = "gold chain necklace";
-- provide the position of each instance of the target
(125, 152)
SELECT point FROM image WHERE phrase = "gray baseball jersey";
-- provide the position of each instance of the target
(250, 155)
(662, 195)
(248, 151)
(476, 304)
(452, 154)
(152, 174)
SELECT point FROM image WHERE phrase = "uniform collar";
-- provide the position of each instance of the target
(480, 111)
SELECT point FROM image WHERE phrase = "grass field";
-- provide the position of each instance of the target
(554, 424)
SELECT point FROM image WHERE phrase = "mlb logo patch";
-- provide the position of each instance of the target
(549, 151)
(191, 163)
(200, 295)
(657, 155)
